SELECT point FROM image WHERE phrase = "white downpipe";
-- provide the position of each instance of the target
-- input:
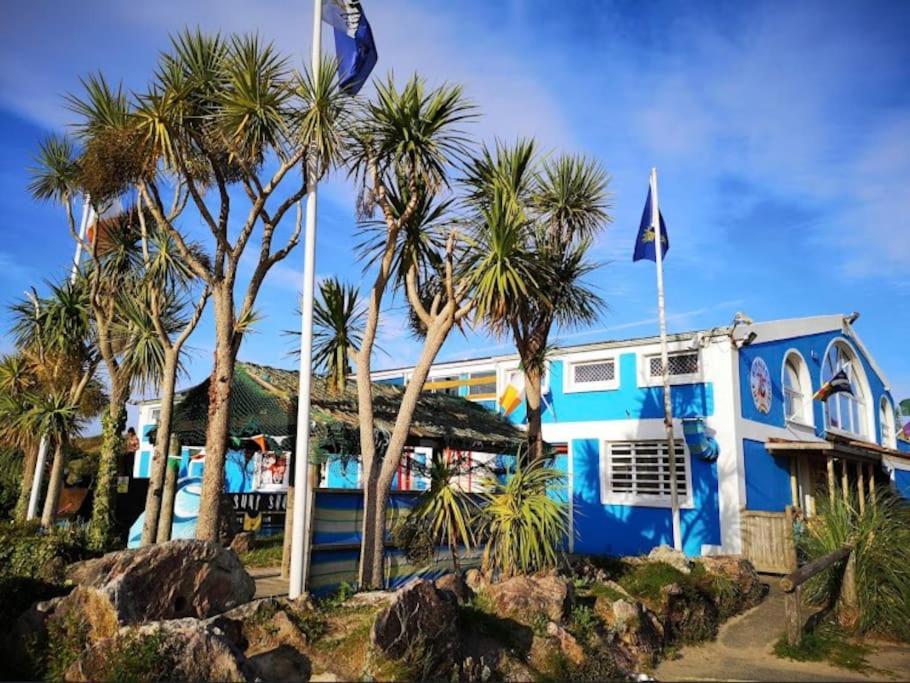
(664, 358)
(300, 528)
(38, 478)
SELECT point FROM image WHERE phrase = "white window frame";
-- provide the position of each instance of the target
(570, 386)
(857, 377)
(647, 380)
(888, 423)
(609, 497)
(502, 378)
(805, 416)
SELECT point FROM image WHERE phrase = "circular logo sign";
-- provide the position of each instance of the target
(760, 381)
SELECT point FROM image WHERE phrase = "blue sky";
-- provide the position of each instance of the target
(781, 132)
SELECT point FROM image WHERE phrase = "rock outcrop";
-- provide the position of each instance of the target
(419, 627)
(171, 580)
(456, 586)
(525, 598)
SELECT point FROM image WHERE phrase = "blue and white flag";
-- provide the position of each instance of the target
(645, 243)
(354, 46)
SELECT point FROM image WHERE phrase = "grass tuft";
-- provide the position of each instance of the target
(826, 643)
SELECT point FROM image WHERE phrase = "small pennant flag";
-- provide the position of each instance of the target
(645, 243)
(354, 45)
(840, 383)
(510, 399)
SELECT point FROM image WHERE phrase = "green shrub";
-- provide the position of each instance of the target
(524, 527)
(27, 550)
(10, 476)
(827, 642)
(881, 537)
(646, 580)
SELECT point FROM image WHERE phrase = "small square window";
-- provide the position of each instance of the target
(598, 371)
(677, 363)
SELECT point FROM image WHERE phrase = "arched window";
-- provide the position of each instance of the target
(886, 417)
(843, 412)
(797, 390)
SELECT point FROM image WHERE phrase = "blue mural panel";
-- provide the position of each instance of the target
(145, 461)
(767, 478)
(630, 529)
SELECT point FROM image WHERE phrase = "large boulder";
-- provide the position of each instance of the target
(243, 542)
(180, 649)
(455, 585)
(273, 634)
(419, 627)
(634, 626)
(675, 558)
(526, 598)
(182, 578)
(747, 588)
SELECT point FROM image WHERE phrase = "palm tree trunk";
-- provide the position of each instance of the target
(162, 442)
(25, 485)
(219, 416)
(532, 402)
(112, 424)
(436, 335)
(166, 520)
(54, 486)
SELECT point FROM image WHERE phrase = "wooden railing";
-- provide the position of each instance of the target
(792, 587)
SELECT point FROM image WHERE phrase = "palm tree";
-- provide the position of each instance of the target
(217, 111)
(404, 145)
(51, 388)
(338, 321)
(16, 381)
(552, 211)
(448, 510)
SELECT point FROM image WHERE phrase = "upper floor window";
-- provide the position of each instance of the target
(797, 390)
(677, 363)
(482, 385)
(843, 412)
(591, 374)
(886, 416)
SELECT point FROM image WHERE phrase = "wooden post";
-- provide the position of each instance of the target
(845, 481)
(166, 517)
(794, 483)
(790, 541)
(793, 617)
(831, 489)
(861, 488)
(286, 547)
(872, 483)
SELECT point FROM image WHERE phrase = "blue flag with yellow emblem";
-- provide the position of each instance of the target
(354, 45)
(645, 244)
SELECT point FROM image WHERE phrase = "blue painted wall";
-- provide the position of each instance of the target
(767, 478)
(628, 530)
(627, 401)
(902, 482)
(773, 354)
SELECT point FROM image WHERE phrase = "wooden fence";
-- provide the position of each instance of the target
(768, 540)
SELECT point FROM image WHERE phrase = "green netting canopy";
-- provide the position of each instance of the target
(264, 401)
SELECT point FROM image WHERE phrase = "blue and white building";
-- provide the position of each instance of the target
(747, 387)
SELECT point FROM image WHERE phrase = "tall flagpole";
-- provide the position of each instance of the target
(38, 478)
(300, 529)
(664, 357)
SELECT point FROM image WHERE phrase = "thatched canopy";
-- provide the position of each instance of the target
(264, 401)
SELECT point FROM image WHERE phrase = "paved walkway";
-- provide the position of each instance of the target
(268, 581)
(743, 652)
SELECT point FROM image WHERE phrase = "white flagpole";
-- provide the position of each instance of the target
(664, 357)
(38, 478)
(300, 529)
